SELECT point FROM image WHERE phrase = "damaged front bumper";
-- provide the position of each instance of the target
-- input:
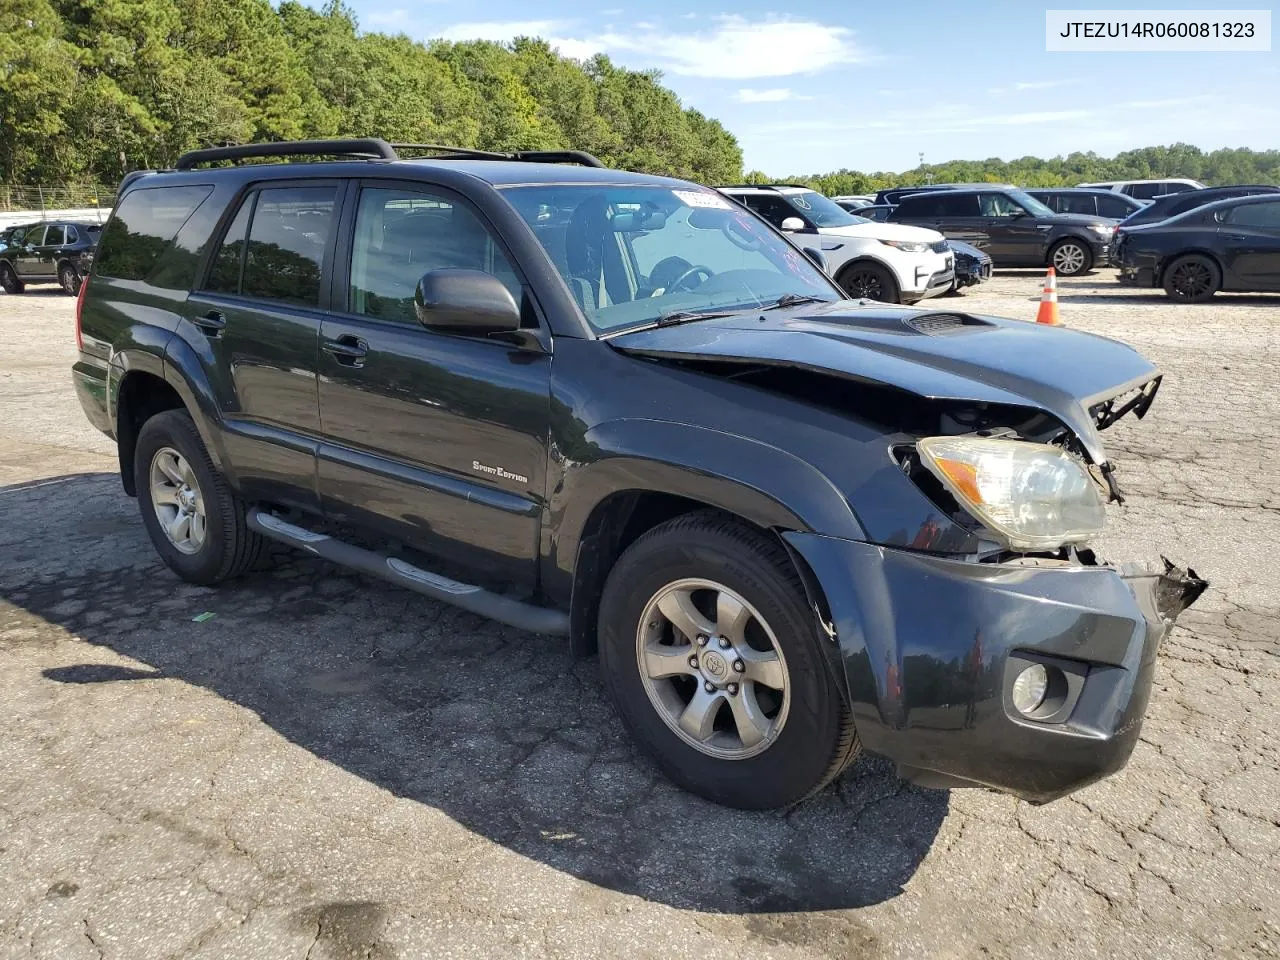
(930, 649)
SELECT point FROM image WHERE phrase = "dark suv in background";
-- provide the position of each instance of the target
(1092, 203)
(1012, 227)
(59, 251)
(623, 408)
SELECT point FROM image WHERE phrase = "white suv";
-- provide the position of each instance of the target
(1146, 189)
(879, 261)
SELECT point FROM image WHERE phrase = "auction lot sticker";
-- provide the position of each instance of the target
(1131, 31)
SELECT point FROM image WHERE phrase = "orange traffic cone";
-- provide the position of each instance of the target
(1049, 301)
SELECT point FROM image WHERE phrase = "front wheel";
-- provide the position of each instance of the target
(9, 281)
(1192, 279)
(69, 278)
(712, 656)
(1070, 257)
(195, 520)
(869, 281)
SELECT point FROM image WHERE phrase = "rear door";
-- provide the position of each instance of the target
(1251, 237)
(259, 311)
(44, 265)
(435, 439)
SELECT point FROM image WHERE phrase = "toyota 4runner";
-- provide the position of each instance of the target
(623, 409)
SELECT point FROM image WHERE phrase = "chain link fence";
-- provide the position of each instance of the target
(22, 198)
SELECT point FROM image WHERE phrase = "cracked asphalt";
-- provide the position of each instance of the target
(334, 768)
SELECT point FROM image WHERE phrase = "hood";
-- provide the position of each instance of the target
(874, 230)
(933, 354)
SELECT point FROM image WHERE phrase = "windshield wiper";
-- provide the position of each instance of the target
(794, 300)
(682, 316)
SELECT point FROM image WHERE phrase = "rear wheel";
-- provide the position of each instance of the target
(194, 519)
(1070, 257)
(9, 281)
(869, 281)
(712, 656)
(70, 279)
(1192, 279)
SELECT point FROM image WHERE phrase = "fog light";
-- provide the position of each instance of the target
(1030, 688)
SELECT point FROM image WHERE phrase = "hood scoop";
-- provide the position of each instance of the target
(937, 324)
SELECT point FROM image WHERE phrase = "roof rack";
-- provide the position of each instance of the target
(368, 149)
(579, 157)
(372, 149)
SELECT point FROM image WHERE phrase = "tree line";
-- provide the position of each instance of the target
(92, 88)
(1218, 167)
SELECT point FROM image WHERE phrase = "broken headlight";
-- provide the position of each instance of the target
(1030, 495)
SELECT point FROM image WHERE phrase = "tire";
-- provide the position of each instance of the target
(1193, 278)
(869, 281)
(226, 547)
(69, 278)
(811, 737)
(9, 281)
(1070, 257)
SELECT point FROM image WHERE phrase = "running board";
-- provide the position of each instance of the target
(465, 595)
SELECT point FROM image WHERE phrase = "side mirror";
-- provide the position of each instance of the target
(819, 259)
(791, 225)
(469, 301)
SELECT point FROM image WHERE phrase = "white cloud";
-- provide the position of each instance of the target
(1021, 85)
(772, 95)
(731, 48)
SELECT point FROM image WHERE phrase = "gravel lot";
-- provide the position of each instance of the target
(333, 768)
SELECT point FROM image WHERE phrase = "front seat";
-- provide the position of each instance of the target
(598, 275)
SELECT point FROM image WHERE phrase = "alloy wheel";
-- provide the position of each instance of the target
(1068, 259)
(177, 500)
(1191, 279)
(713, 669)
(865, 285)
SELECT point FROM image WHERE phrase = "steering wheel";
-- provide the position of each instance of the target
(696, 269)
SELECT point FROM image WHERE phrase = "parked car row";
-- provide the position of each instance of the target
(56, 251)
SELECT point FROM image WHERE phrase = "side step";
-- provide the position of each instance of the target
(465, 595)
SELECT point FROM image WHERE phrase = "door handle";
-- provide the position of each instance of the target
(1237, 237)
(347, 350)
(212, 323)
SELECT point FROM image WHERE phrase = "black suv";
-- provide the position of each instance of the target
(1173, 204)
(1012, 227)
(623, 409)
(43, 252)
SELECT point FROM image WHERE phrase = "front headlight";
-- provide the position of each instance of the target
(1031, 495)
(1102, 229)
(906, 246)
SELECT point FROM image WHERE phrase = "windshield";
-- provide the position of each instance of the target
(631, 255)
(822, 211)
(1030, 203)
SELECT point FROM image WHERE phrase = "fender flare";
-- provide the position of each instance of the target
(184, 371)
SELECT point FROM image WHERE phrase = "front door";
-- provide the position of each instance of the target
(434, 439)
(259, 311)
(26, 262)
(1014, 236)
(1251, 237)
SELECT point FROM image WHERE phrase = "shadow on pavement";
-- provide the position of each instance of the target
(501, 730)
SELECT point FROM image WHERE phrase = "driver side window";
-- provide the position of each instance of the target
(999, 205)
(400, 235)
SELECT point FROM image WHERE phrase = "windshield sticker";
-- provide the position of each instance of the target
(703, 198)
(802, 203)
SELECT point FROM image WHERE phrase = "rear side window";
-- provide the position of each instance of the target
(1113, 207)
(1076, 203)
(280, 255)
(940, 204)
(142, 227)
(1256, 215)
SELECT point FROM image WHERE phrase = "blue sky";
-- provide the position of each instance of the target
(811, 87)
